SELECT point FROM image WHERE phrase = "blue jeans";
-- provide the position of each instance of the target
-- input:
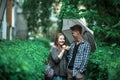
(59, 78)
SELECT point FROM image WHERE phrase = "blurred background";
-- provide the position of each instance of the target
(27, 27)
(28, 19)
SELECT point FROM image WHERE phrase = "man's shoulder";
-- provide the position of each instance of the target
(73, 42)
(87, 44)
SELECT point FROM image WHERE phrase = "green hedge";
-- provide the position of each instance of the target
(104, 63)
(23, 60)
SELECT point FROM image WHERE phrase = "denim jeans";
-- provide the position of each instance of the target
(59, 78)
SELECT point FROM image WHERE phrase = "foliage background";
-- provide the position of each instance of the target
(102, 16)
(25, 59)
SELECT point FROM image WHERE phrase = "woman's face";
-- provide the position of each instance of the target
(61, 40)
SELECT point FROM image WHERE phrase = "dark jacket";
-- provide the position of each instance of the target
(59, 65)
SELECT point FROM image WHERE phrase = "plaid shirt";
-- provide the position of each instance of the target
(81, 58)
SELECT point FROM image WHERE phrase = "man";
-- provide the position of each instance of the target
(78, 55)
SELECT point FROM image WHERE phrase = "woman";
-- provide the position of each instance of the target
(58, 58)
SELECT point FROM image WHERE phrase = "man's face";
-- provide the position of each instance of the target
(75, 34)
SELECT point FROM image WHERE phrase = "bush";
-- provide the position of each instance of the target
(104, 63)
(23, 60)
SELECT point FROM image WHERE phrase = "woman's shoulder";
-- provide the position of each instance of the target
(53, 48)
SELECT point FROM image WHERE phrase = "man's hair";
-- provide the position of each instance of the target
(76, 28)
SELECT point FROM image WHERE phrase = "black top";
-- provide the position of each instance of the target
(74, 55)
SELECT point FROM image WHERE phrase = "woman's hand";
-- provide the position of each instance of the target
(66, 47)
